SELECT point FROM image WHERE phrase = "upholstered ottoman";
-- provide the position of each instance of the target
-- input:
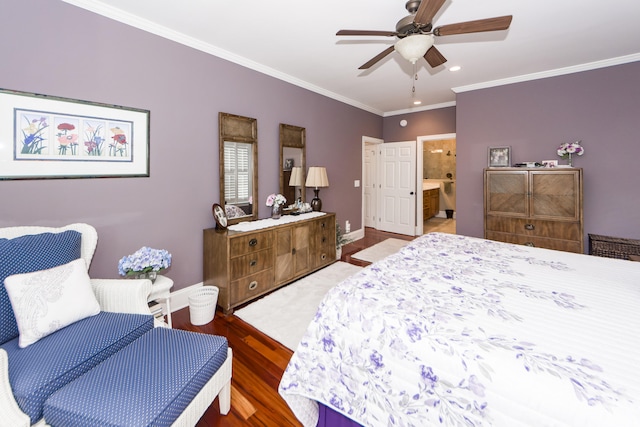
(165, 377)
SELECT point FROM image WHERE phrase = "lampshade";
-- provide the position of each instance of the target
(296, 177)
(414, 47)
(317, 177)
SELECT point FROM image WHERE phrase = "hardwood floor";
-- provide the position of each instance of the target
(259, 361)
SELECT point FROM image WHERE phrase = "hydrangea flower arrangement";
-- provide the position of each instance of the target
(276, 199)
(144, 260)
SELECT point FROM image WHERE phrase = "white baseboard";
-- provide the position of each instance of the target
(180, 298)
(355, 235)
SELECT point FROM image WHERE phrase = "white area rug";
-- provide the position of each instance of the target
(285, 314)
(380, 250)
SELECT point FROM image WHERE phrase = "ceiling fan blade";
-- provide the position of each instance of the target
(366, 33)
(434, 57)
(479, 26)
(376, 58)
(427, 10)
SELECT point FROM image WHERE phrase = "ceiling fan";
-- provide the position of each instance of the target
(416, 33)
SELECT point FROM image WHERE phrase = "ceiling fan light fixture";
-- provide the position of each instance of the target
(414, 47)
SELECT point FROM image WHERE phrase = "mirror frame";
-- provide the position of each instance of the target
(235, 128)
(293, 137)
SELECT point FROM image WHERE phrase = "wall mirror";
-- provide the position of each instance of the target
(238, 167)
(292, 162)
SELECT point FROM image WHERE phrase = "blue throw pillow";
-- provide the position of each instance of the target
(26, 254)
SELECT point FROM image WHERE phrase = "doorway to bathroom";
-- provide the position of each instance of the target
(438, 177)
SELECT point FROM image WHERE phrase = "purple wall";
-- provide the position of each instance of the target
(58, 49)
(429, 122)
(600, 107)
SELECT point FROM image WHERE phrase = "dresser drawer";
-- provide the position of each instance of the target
(250, 264)
(250, 287)
(538, 242)
(535, 227)
(323, 249)
(249, 243)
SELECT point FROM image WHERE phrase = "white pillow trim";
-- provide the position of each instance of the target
(48, 300)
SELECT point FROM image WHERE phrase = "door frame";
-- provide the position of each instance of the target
(419, 176)
(420, 172)
(366, 140)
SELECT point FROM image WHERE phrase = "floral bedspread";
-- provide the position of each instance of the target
(460, 331)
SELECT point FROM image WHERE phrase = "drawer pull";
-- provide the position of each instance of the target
(253, 263)
(324, 239)
(253, 285)
(322, 225)
(323, 257)
(293, 251)
(529, 227)
(530, 244)
(253, 242)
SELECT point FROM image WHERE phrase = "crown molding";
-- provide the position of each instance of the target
(418, 109)
(167, 33)
(153, 28)
(551, 73)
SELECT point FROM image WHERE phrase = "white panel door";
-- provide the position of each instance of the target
(397, 187)
(369, 179)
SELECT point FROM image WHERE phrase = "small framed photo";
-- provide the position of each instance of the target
(499, 157)
(288, 164)
(550, 163)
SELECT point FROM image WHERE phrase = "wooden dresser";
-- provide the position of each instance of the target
(534, 207)
(247, 264)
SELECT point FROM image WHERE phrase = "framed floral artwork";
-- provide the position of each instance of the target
(44, 136)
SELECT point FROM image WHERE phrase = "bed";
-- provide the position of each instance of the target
(461, 331)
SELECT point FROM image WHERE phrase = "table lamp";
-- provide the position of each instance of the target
(317, 178)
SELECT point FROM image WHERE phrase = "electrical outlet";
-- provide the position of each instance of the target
(356, 183)
(347, 227)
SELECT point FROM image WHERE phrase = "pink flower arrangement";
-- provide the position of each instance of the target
(277, 199)
(568, 148)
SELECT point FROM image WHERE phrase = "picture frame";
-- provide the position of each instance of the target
(288, 164)
(550, 163)
(44, 137)
(499, 157)
(219, 215)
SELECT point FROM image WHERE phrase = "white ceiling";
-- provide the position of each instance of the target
(296, 42)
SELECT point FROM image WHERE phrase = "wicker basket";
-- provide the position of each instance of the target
(202, 305)
(613, 247)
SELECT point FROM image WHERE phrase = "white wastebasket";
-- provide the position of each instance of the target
(202, 305)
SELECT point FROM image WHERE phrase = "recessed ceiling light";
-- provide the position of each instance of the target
(455, 68)
(417, 102)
